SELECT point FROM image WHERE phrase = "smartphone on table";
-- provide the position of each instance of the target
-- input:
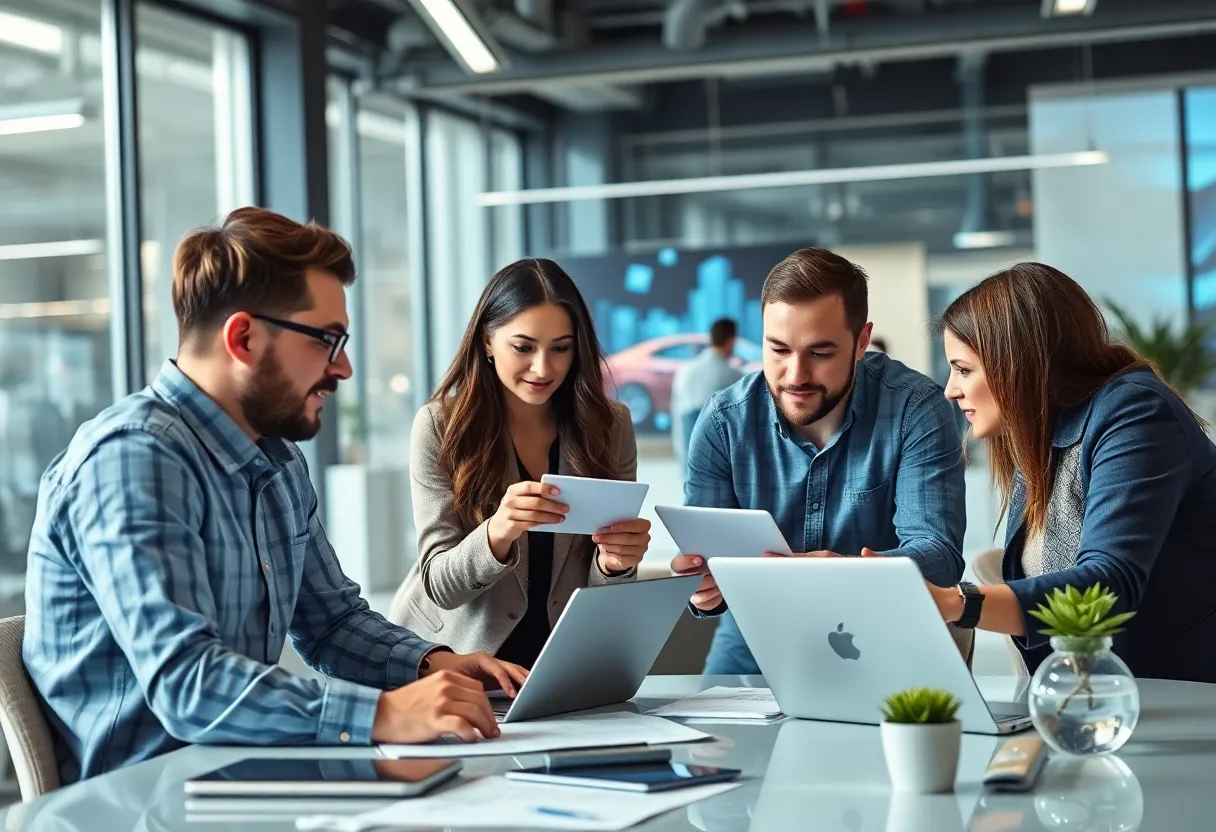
(636, 777)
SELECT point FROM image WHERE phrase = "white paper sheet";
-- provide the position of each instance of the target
(538, 735)
(498, 802)
(723, 703)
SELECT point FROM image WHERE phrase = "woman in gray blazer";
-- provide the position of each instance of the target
(523, 397)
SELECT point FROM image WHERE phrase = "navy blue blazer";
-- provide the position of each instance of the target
(1148, 474)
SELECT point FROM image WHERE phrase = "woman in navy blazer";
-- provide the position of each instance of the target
(1106, 474)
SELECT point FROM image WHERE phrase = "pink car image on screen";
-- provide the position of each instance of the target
(640, 376)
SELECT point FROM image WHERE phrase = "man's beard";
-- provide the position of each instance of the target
(830, 399)
(271, 405)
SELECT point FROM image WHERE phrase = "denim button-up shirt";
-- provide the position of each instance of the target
(171, 557)
(890, 478)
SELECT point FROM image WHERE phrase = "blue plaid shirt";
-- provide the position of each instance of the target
(890, 478)
(171, 556)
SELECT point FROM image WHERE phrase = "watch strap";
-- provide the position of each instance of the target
(973, 603)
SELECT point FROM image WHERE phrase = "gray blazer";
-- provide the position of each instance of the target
(458, 593)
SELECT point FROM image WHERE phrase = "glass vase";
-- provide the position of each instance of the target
(1083, 698)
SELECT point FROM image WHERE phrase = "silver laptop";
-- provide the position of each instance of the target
(833, 636)
(601, 648)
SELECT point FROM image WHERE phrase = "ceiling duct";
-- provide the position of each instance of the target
(976, 228)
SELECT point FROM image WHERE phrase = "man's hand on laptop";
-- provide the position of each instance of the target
(445, 702)
(707, 597)
(488, 671)
(866, 552)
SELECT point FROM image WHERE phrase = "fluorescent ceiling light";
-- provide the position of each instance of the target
(983, 239)
(60, 248)
(1060, 8)
(40, 124)
(55, 308)
(31, 34)
(785, 179)
(452, 26)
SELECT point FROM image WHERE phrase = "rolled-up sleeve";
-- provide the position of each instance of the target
(1140, 467)
(930, 492)
(135, 510)
(336, 632)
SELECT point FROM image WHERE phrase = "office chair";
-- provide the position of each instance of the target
(987, 569)
(25, 727)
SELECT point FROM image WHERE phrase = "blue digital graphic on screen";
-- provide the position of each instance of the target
(638, 278)
(653, 312)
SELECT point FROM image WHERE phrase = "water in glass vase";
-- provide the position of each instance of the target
(1083, 698)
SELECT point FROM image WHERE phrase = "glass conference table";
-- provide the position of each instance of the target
(798, 775)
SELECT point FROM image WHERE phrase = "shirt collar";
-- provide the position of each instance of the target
(223, 438)
(1070, 425)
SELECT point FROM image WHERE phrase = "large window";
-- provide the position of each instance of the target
(195, 148)
(54, 301)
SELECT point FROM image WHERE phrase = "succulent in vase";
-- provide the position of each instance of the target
(1081, 622)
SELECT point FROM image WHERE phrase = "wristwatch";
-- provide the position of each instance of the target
(973, 602)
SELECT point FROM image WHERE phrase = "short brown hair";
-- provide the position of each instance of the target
(254, 262)
(722, 331)
(813, 273)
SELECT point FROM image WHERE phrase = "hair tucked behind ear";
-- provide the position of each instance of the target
(470, 396)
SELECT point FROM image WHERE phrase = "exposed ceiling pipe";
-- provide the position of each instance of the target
(976, 228)
(686, 21)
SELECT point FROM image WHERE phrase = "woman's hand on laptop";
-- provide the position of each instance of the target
(623, 545)
(488, 671)
(445, 702)
(707, 597)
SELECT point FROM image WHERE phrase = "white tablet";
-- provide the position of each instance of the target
(723, 532)
(594, 504)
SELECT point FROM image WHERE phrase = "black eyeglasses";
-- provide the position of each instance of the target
(336, 341)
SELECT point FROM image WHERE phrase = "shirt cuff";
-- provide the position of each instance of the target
(348, 712)
(405, 660)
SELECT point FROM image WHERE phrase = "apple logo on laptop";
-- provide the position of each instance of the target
(842, 643)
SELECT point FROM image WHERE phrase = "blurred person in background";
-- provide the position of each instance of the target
(697, 381)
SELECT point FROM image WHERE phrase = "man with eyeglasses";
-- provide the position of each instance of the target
(177, 542)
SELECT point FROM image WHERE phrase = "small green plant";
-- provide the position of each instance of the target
(1185, 357)
(1081, 620)
(921, 706)
(1070, 613)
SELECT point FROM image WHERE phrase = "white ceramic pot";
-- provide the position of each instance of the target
(922, 758)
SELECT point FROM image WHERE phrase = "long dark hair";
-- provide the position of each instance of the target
(471, 397)
(1045, 347)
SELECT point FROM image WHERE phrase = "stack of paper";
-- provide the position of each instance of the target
(499, 802)
(538, 735)
(722, 704)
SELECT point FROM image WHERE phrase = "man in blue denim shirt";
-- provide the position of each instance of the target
(177, 542)
(852, 454)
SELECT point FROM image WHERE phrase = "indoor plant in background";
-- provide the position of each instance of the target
(1186, 357)
(921, 738)
(1083, 698)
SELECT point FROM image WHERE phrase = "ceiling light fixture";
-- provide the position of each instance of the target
(40, 124)
(31, 34)
(457, 27)
(40, 116)
(785, 179)
(1064, 8)
(58, 248)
